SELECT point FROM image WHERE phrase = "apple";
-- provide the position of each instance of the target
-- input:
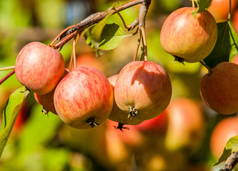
(220, 9)
(223, 131)
(219, 88)
(88, 59)
(142, 91)
(189, 35)
(155, 125)
(185, 124)
(83, 98)
(39, 67)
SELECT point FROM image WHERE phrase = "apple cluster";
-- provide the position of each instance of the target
(83, 97)
(191, 36)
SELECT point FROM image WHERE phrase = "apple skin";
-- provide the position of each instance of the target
(234, 20)
(220, 9)
(47, 101)
(189, 35)
(39, 67)
(219, 88)
(223, 131)
(185, 124)
(235, 59)
(88, 59)
(83, 94)
(129, 136)
(155, 125)
(143, 86)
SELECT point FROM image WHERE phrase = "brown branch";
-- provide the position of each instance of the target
(71, 31)
(231, 162)
(7, 76)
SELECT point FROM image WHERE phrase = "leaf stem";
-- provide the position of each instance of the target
(7, 68)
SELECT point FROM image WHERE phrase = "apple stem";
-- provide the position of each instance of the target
(7, 68)
(133, 112)
(7, 76)
(142, 17)
(229, 15)
(74, 53)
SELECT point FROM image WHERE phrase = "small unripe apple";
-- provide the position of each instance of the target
(188, 34)
(83, 98)
(219, 88)
(220, 9)
(47, 101)
(39, 67)
(223, 131)
(143, 90)
(185, 124)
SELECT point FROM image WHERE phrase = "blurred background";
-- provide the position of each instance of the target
(183, 137)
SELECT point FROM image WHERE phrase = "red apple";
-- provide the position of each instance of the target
(189, 35)
(83, 98)
(47, 101)
(185, 124)
(39, 67)
(142, 91)
(220, 9)
(157, 125)
(129, 135)
(235, 59)
(223, 131)
(219, 88)
(235, 20)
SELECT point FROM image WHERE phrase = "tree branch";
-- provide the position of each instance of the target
(71, 31)
(231, 162)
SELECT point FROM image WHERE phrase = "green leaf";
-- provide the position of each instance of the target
(221, 51)
(234, 41)
(40, 128)
(203, 4)
(108, 33)
(231, 146)
(11, 110)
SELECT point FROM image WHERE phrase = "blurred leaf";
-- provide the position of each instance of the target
(231, 146)
(221, 51)
(108, 33)
(38, 130)
(11, 110)
(51, 13)
(56, 158)
(13, 15)
(234, 41)
(203, 4)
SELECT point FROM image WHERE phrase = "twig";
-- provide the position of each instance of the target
(7, 76)
(231, 162)
(142, 17)
(7, 68)
(71, 31)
